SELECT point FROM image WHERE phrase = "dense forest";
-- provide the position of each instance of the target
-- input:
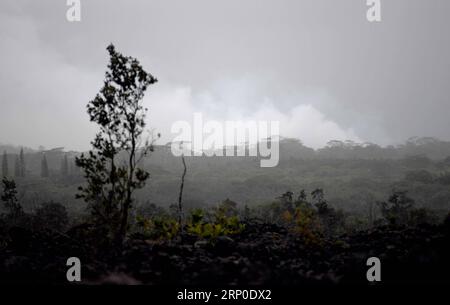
(137, 214)
(354, 176)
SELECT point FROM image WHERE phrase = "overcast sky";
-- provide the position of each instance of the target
(317, 66)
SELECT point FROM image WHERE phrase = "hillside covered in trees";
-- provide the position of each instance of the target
(354, 176)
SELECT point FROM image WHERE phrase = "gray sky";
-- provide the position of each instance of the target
(317, 66)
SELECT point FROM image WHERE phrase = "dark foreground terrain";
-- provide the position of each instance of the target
(260, 254)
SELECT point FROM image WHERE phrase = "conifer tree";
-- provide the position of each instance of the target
(9, 198)
(22, 163)
(5, 171)
(44, 167)
(64, 166)
(17, 167)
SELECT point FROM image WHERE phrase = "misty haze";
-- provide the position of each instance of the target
(344, 154)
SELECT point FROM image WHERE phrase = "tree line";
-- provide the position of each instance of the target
(20, 169)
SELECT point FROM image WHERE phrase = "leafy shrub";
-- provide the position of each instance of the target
(223, 224)
(311, 221)
(307, 225)
(300, 217)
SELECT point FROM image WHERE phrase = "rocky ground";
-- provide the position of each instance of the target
(262, 254)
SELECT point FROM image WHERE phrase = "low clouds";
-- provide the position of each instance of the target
(228, 102)
(317, 66)
(43, 99)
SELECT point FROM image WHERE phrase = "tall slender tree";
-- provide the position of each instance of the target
(22, 163)
(44, 167)
(180, 195)
(117, 109)
(5, 171)
(71, 168)
(64, 166)
(17, 167)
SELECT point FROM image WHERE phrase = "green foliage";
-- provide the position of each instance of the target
(300, 217)
(307, 225)
(310, 220)
(223, 223)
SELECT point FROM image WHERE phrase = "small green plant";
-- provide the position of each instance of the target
(307, 226)
(310, 220)
(303, 221)
(222, 224)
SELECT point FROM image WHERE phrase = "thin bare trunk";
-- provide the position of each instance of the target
(180, 196)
